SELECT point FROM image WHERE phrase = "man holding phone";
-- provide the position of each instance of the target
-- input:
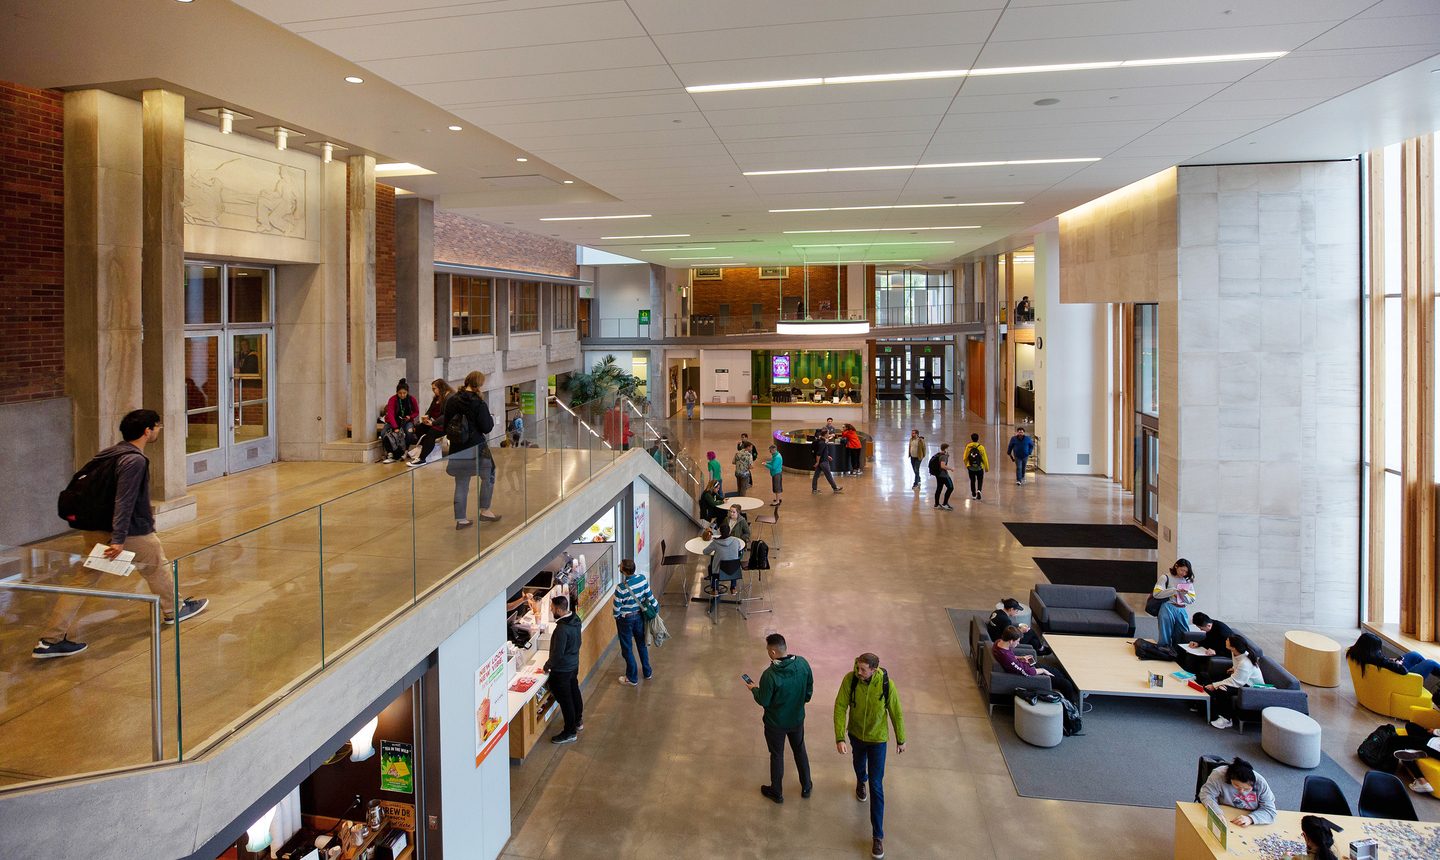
(783, 690)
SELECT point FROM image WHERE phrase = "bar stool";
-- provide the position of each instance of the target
(730, 572)
(773, 521)
(749, 586)
(672, 561)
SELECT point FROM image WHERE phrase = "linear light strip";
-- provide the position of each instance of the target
(702, 258)
(885, 229)
(704, 248)
(871, 244)
(940, 74)
(652, 236)
(594, 217)
(947, 164)
(901, 206)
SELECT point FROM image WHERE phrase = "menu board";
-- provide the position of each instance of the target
(491, 710)
(780, 370)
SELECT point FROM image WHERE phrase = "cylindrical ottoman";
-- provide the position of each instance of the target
(1041, 724)
(1312, 658)
(1288, 736)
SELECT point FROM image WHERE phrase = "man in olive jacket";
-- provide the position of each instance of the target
(868, 697)
(783, 690)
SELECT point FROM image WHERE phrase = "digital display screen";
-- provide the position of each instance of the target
(780, 370)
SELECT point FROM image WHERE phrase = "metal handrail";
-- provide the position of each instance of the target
(156, 723)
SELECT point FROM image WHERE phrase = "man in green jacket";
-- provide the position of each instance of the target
(783, 690)
(865, 700)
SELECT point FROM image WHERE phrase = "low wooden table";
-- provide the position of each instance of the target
(1107, 666)
(1399, 840)
(1313, 658)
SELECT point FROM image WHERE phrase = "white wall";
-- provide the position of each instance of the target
(620, 293)
(1072, 376)
(737, 361)
(476, 799)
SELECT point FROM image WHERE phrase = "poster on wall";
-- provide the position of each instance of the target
(641, 514)
(397, 767)
(490, 705)
(722, 379)
(780, 370)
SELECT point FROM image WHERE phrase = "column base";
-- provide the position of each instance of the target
(351, 452)
(170, 513)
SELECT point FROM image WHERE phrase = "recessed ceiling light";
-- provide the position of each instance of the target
(595, 218)
(522, 159)
(918, 166)
(902, 206)
(184, 1)
(655, 236)
(885, 229)
(970, 73)
(401, 168)
(569, 181)
(909, 260)
(1046, 102)
(354, 79)
(870, 244)
(456, 128)
(685, 248)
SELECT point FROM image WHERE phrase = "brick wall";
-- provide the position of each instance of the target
(32, 245)
(384, 264)
(742, 287)
(472, 242)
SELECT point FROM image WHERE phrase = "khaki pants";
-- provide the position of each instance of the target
(149, 561)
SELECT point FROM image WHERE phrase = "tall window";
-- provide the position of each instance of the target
(470, 306)
(914, 296)
(524, 306)
(564, 298)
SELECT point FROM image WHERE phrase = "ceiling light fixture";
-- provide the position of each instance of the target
(821, 327)
(522, 159)
(871, 244)
(354, 79)
(991, 72)
(227, 121)
(697, 248)
(456, 128)
(401, 168)
(702, 258)
(568, 181)
(901, 206)
(656, 236)
(283, 135)
(947, 164)
(327, 149)
(595, 218)
(884, 229)
(225, 117)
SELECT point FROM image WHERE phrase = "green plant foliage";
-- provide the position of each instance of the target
(605, 379)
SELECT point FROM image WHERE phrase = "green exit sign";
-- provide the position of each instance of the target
(645, 316)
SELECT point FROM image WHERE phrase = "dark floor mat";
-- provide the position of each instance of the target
(1126, 577)
(889, 395)
(1081, 534)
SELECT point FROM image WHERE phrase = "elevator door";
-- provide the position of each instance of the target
(229, 369)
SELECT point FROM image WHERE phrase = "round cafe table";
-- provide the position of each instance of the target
(696, 545)
(746, 503)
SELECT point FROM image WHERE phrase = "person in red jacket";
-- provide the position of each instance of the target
(853, 447)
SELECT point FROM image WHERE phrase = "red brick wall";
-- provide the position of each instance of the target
(742, 287)
(384, 263)
(472, 242)
(32, 244)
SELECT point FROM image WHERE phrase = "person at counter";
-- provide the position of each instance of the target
(563, 667)
(711, 502)
(853, 449)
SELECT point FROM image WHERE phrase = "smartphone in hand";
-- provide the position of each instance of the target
(746, 679)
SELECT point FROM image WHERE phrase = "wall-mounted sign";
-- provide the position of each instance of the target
(722, 379)
(527, 403)
(397, 767)
(491, 711)
(644, 316)
(774, 272)
(780, 370)
(708, 273)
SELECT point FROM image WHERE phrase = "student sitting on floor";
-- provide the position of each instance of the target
(1243, 673)
(1237, 784)
(1005, 655)
(1004, 616)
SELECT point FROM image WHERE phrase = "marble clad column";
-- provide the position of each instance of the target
(102, 264)
(162, 295)
(364, 402)
(415, 289)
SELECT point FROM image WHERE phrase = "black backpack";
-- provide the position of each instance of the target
(1377, 749)
(460, 430)
(759, 555)
(1147, 650)
(1071, 723)
(974, 459)
(88, 501)
(884, 686)
(935, 466)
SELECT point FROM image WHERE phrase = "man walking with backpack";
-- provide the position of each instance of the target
(783, 691)
(977, 463)
(1019, 450)
(110, 499)
(940, 467)
(865, 706)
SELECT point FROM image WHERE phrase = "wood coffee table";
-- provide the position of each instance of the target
(1107, 666)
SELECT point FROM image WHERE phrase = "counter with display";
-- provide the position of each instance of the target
(797, 450)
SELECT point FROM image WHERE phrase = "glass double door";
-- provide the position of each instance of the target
(229, 369)
(889, 373)
(929, 369)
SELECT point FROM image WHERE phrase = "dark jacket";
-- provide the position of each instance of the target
(999, 620)
(783, 691)
(1020, 447)
(133, 514)
(472, 406)
(565, 645)
(1215, 639)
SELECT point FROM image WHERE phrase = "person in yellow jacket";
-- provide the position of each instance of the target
(977, 463)
(866, 699)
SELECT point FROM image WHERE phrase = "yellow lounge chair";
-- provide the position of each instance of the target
(1385, 692)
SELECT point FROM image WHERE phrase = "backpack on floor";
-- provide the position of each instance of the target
(759, 555)
(88, 501)
(1071, 723)
(935, 466)
(1376, 750)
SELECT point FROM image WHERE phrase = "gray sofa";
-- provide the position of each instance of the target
(1091, 610)
(1288, 693)
(1000, 685)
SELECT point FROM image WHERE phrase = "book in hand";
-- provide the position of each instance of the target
(120, 565)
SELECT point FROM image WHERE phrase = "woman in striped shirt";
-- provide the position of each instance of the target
(631, 595)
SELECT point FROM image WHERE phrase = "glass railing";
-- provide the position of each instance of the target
(286, 600)
(669, 443)
(714, 325)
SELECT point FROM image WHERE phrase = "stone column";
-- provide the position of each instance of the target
(855, 289)
(992, 338)
(364, 400)
(415, 288)
(102, 265)
(162, 296)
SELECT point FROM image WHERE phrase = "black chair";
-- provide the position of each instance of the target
(1321, 796)
(728, 572)
(772, 519)
(671, 561)
(1383, 795)
(1207, 764)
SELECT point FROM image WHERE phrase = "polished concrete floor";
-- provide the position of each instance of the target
(672, 769)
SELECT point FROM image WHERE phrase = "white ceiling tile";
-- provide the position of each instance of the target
(868, 34)
(901, 124)
(669, 16)
(1101, 104)
(579, 108)
(330, 14)
(1265, 109)
(1419, 30)
(875, 144)
(821, 60)
(509, 62)
(1398, 8)
(847, 94)
(1174, 43)
(596, 125)
(1369, 63)
(1156, 16)
(460, 94)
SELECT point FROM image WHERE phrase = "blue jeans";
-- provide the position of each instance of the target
(1174, 624)
(869, 762)
(631, 629)
(915, 465)
(1419, 664)
(1020, 468)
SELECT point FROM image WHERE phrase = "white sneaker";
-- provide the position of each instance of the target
(1420, 786)
(1221, 723)
(388, 459)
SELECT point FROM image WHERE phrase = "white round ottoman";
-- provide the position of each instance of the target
(1289, 736)
(1041, 724)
